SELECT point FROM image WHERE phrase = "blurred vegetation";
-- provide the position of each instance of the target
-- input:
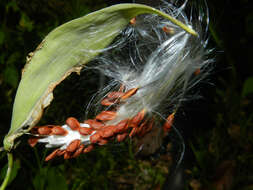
(217, 129)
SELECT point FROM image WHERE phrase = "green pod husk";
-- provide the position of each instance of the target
(65, 50)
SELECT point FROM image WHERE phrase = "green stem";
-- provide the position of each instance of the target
(8, 173)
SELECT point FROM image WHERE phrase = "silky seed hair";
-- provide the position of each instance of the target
(159, 58)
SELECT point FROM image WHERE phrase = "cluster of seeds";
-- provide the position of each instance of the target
(76, 138)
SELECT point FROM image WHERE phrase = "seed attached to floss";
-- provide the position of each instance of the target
(73, 145)
(73, 123)
(133, 132)
(133, 21)
(141, 128)
(106, 115)
(102, 141)
(168, 124)
(107, 132)
(78, 151)
(138, 118)
(67, 155)
(197, 72)
(58, 130)
(85, 131)
(121, 127)
(115, 95)
(61, 152)
(33, 141)
(94, 138)
(52, 155)
(94, 124)
(121, 137)
(129, 93)
(44, 130)
(88, 148)
(107, 102)
(168, 30)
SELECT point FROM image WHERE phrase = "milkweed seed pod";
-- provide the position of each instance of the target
(153, 66)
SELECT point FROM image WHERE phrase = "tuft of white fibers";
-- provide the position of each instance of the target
(158, 57)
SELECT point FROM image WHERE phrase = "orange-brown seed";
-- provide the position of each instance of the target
(129, 93)
(115, 95)
(44, 130)
(88, 148)
(168, 124)
(102, 141)
(61, 152)
(52, 155)
(33, 141)
(85, 131)
(94, 124)
(94, 138)
(133, 21)
(106, 115)
(78, 151)
(138, 118)
(107, 131)
(141, 128)
(121, 127)
(73, 123)
(133, 132)
(67, 155)
(58, 130)
(107, 102)
(197, 72)
(121, 137)
(73, 145)
(168, 30)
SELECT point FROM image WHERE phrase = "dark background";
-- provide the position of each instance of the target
(217, 128)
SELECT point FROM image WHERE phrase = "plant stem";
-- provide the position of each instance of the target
(8, 173)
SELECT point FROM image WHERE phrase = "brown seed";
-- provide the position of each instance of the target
(34, 130)
(52, 155)
(168, 124)
(102, 141)
(67, 155)
(61, 152)
(129, 93)
(33, 141)
(115, 95)
(78, 151)
(168, 30)
(85, 131)
(94, 138)
(121, 137)
(73, 123)
(149, 126)
(73, 145)
(107, 131)
(197, 72)
(133, 21)
(107, 102)
(94, 124)
(106, 115)
(44, 130)
(141, 128)
(133, 132)
(121, 127)
(138, 118)
(58, 130)
(88, 148)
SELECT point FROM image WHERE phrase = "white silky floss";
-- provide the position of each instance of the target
(53, 141)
